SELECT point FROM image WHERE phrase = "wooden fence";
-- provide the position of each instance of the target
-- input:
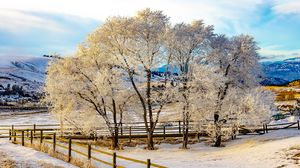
(137, 130)
(47, 134)
(127, 130)
(69, 146)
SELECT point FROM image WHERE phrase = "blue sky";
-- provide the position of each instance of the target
(37, 27)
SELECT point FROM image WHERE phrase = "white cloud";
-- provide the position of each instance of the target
(271, 53)
(228, 16)
(213, 12)
(17, 21)
(287, 6)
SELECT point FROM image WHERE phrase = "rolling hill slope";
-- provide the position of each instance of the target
(27, 73)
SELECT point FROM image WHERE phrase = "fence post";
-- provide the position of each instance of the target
(266, 128)
(114, 160)
(179, 127)
(148, 163)
(15, 135)
(22, 138)
(70, 149)
(89, 151)
(33, 128)
(31, 136)
(164, 132)
(130, 134)
(12, 128)
(121, 129)
(41, 140)
(54, 141)
(298, 126)
(9, 133)
(12, 131)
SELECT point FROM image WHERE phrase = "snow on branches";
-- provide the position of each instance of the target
(216, 83)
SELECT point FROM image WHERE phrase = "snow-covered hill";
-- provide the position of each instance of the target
(27, 73)
(275, 73)
(286, 70)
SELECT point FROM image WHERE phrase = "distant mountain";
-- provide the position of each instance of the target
(273, 81)
(277, 72)
(28, 73)
(22, 73)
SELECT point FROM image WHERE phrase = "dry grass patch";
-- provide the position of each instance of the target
(6, 161)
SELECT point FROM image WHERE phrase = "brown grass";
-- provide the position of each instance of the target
(6, 161)
(46, 148)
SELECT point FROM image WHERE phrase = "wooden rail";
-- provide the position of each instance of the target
(137, 130)
(52, 139)
(127, 130)
(47, 134)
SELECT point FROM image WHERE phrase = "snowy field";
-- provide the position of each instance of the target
(36, 118)
(272, 150)
(275, 149)
(260, 151)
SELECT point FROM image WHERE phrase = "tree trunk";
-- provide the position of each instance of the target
(150, 143)
(149, 104)
(115, 139)
(143, 103)
(185, 138)
(218, 135)
(218, 141)
(185, 130)
(186, 116)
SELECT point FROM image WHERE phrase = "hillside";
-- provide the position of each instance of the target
(281, 72)
(22, 76)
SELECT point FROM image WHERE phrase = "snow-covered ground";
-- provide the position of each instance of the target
(275, 149)
(259, 151)
(23, 157)
(35, 118)
(288, 119)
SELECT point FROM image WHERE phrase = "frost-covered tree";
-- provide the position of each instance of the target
(237, 62)
(187, 44)
(87, 91)
(138, 46)
(217, 78)
(204, 84)
(255, 107)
